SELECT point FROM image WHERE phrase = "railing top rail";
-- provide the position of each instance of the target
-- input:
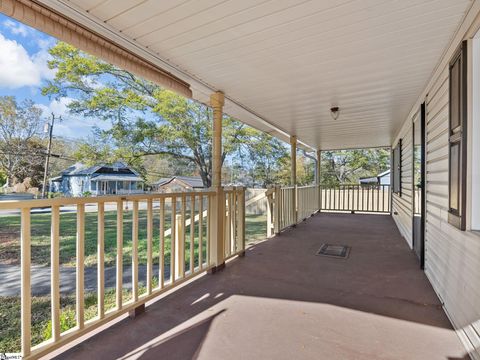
(359, 185)
(38, 203)
(307, 187)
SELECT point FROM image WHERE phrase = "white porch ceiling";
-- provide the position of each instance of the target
(288, 61)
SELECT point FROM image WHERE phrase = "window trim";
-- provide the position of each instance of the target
(457, 217)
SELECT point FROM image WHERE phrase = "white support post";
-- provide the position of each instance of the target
(217, 250)
(293, 176)
(319, 184)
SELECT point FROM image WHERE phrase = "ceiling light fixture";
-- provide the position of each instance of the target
(334, 111)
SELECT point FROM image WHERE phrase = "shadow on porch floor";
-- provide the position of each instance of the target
(283, 302)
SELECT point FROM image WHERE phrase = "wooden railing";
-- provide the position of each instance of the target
(356, 198)
(288, 206)
(180, 210)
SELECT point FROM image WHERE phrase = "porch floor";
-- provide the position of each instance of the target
(283, 302)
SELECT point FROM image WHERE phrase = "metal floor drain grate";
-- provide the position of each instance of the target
(335, 251)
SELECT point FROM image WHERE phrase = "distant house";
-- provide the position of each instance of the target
(178, 184)
(100, 179)
(380, 179)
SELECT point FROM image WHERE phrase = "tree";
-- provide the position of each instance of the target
(146, 119)
(264, 157)
(21, 150)
(348, 166)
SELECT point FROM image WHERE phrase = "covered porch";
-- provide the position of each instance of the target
(282, 301)
(321, 76)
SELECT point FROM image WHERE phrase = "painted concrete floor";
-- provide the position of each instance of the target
(283, 302)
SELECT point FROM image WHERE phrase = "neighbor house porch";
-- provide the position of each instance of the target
(282, 301)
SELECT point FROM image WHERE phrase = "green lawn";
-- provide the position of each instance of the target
(40, 225)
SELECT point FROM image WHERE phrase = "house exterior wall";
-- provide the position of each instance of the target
(385, 180)
(452, 257)
(75, 185)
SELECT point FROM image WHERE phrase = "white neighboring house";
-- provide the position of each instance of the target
(380, 179)
(102, 179)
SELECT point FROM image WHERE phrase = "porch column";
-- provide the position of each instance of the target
(217, 206)
(319, 159)
(293, 175)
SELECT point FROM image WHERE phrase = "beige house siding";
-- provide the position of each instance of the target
(452, 257)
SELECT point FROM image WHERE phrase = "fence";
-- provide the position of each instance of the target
(180, 210)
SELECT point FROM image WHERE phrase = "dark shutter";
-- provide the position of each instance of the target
(397, 168)
(457, 145)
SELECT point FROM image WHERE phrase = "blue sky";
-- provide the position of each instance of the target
(24, 70)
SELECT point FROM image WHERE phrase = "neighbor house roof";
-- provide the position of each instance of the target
(373, 179)
(80, 169)
(191, 181)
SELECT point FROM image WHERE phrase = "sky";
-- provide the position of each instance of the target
(24, 70)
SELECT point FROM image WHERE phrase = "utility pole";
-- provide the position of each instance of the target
(48, 129)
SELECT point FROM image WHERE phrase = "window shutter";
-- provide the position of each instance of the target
(397, 168)
(40, 17)
(457, 145)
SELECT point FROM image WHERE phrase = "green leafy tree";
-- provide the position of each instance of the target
(348, 166)
(146, 119)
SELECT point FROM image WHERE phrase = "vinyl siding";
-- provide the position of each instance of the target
(452, 257)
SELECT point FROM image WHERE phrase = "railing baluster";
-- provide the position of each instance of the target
(173, 226)
(119, 279)
(241, 221)
(149, 245)
(226, 221)
(80, 275)
(233, 216)
(200, 232)
(55, 272)
(378, 197)
(192, 233)
(161, 260)
(26, 291)
(101, 260)
(209, 230)
(135, 250)
(184, 228)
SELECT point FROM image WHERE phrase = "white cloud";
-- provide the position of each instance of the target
(17, 69)
(17, 28)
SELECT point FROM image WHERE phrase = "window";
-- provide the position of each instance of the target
(457, 145)
(397, 168)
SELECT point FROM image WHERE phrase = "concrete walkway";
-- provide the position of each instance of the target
(10, 279)
(283, 302)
